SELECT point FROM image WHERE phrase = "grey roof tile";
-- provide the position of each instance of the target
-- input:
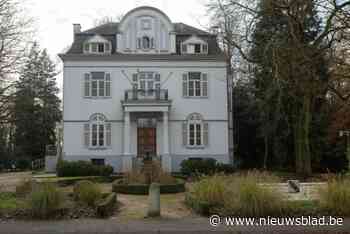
(109, 31)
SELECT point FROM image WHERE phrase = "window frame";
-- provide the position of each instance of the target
(99, 120)
(195, 88)
(195, 120)
(88, 47)
(91, 81)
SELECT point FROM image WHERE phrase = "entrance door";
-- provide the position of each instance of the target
(146, 142)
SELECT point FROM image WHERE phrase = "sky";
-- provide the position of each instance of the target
(54, 19)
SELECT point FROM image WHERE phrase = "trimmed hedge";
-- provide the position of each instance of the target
(106, 206)
(204, 166)
(142, 189)
(82, 168)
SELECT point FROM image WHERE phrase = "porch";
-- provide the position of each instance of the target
(149, 111)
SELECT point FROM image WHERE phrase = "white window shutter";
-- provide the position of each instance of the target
(86, 135)
(152, 43)
(87, 85)
(108, 84)
(184, 133)
(185, 85)
(205, 133)
(204, 85)
(108, 134)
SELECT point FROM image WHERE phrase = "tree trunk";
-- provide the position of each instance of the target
(266, 152)
(301, 138)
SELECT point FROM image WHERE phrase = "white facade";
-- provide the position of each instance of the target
(118, 139)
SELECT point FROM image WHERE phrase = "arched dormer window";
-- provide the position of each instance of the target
(97, 45)
(195, 131)
(97, 133)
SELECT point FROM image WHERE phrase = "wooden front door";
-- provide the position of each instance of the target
(146, 142)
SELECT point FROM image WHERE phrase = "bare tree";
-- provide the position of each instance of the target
(296, 65)
(15, 31)
(108, 19)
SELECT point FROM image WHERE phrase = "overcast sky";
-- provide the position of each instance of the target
(54, 18)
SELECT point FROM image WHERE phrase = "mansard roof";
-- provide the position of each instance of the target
(110, 30)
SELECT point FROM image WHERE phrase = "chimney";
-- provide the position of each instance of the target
(76, 29)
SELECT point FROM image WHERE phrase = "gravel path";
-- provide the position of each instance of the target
(8, 181)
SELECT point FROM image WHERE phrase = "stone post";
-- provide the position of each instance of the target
(154, 200)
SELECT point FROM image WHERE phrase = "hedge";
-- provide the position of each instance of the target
(82, 168)
(118, 186)
(106, 206)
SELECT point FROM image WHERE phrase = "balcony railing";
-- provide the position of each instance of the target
(151, 95)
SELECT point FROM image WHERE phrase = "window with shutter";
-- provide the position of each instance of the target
(185, 85)
(97, 133)
(204, 85)
(196, 131)
(87, 85)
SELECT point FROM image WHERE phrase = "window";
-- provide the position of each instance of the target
(98, 161)
(97, 133)
(146, 81)
(146, 44)
(97, 48)
(195, 84)
(97, 84)
(195, 131)
(194, 48)
(197, 48)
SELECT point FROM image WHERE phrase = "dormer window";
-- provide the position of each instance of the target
(97, 45)
(145, 43)
(194, 45)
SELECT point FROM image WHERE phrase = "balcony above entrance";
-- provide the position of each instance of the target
(151, 100)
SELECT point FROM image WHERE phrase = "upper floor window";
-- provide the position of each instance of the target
(97, 133)
(145, 43)
(194, 48)
(195, 84)
(195, 131)
(97, 45)
(97, 84)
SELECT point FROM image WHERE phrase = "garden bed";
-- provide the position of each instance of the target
(66, 181)
(119, 186)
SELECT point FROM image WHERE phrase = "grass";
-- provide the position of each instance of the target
(335, 198)
(9, 201)
(240, 194)
(87, 192)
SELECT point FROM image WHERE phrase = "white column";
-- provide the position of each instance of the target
(127, 158)
(166, 159)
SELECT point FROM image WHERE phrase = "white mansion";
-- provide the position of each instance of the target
(144, 87)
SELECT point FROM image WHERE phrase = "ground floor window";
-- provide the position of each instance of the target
(98, 161)
(195, 131)
(97, 133)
